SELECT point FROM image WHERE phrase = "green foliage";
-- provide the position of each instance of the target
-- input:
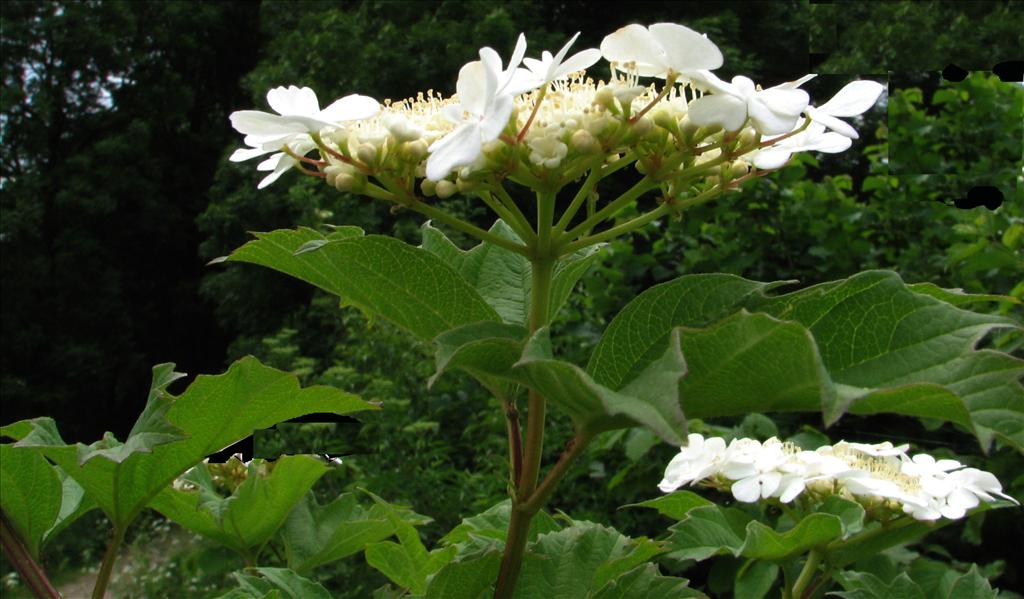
(251, 514)
(380, 275)
(212, 413)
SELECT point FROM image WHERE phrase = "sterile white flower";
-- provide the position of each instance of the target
(280, 163)
(298, 116)
(885, 449)
(771, 111)
(511, 80)
(756, 472)
(552, 68)
(855, 98)
(697, 460)
(547, 152)
(812, 139)
(660, 49)
(480, 115)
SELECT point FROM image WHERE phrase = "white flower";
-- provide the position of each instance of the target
(660, 49)
(511, 80)
(696, 461)
(812, 139)
(480, 115)
(772, 111)
(280, 163)
(755, 468)
(298, 116)
(886, 449)
(552, 68)
(855, 98)
(547, 152)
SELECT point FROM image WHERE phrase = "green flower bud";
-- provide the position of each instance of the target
(605, 97)
(332, 173)
(642, 127)
(584, 143)
(429, 188)
(415, 150)
(465, 185)
(445, 189)
(347, 182)
(366, 153)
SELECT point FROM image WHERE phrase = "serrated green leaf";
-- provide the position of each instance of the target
(876, 334)
(578, 560)
(872, 542)
(214, 412)
(762, 542)
(486, 350)
(861, 585)
(488, 529)
(403, 284)
(468, 579)
(252, 514)
(972, 586)
(674, 505)
(752, 362)
(755, 581)
(151, 428)
(407, 563)
(958, 297)
(708, 531)
(504, 278)
(639, 333)
(315, 535)
(645, 582)
(293, 585)
(850, 513)
(31, 496)
(74, 504)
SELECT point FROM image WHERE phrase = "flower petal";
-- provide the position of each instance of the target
(257, 122)
(718, 109)
(243, 154)
(459, 148)
(685, 49)
(747, 490)
(293, 100)
(841, 127)
(474, 87)
(353, 107)
(583, 59)
(855, 98)
(495, 120)
(633, 43)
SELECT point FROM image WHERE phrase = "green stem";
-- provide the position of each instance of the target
(517, 214)
(582, 194)
(502, 212)
(642, 186)
(519, 521)
(810, 567)
(28, 568)
(107, 566)
(461, 225)
(557, 472)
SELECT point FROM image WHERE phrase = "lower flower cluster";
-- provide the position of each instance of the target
(920, 485)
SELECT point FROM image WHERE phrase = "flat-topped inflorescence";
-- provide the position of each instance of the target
(548, 124)
(880, 475)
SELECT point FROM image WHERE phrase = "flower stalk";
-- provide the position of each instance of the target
(28, 568)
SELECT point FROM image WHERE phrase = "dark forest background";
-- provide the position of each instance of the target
(115, 192)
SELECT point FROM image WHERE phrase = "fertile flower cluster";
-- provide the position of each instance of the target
(546, 124)
(925, 488)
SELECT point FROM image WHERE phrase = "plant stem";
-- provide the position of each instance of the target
(572, 451)
(582, 194)
(642, 186)
(528, 234)
(107, 566)
(519, 521)
(810, 567)
(28, 568)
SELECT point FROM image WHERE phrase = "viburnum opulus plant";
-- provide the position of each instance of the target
(533, 139)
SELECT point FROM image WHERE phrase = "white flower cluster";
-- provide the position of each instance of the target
(527, 122)
(925, 488)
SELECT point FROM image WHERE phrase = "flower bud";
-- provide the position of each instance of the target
(465, 185)
(445, 189)
(605, 97)
(748, 137)
(642, 127)
(366, 153)
(428, 187)
(584, 143)
(332, 173)
(415, 150)
(739, 168)
(665, 120)
(641, 167)
(347, 182)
